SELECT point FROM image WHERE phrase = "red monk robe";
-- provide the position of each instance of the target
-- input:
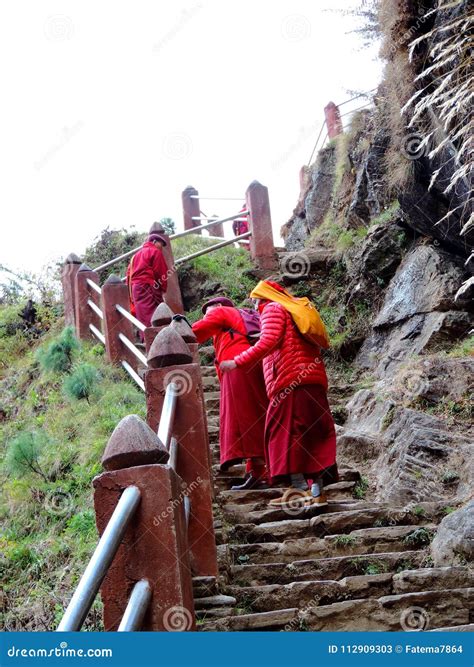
(148, 274)
(244, 401)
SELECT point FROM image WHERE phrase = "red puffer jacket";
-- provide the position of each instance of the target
(288, 359)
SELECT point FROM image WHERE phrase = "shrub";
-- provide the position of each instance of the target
(23, 454)
(80, 384)
(59, 354)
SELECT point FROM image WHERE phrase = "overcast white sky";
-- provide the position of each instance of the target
(110, 109)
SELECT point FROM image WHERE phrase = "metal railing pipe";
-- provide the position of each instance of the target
(187, 509)
(216, 246)
(134, 375)
(98, 334)
(218, 198)
(128, 343)
(95, 308)
(111, 262)
(136, 608)
(90, 582)
(130, 317)
(217, 221)
(94, 286)
(165, 428)
(173, 459)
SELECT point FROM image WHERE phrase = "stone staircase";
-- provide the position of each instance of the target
(352, 565)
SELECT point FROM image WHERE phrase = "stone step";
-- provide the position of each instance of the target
(205, 586)
(363, 541)
(210, 384)
(334, 521)
(301, 593)
(209, 371)
(212, 401)
(325, 568)
(269, 620)
(424, 610)
(214, 601)
(455, 628)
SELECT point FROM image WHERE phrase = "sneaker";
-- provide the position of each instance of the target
(292, 497)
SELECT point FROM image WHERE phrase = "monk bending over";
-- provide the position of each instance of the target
(243, 402)
(300, 437)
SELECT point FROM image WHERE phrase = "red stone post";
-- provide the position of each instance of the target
(68, 279)
(115, 292)
(160, 319)
(169, 361)
(333, 120)
(191, 208)
(262, 248)
(155, 546)
(83, 293)
(217, 229)
(173, 294)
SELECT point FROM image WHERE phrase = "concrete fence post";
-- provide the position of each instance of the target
(191, 208)
(68, 280)
(83, 293)
(333, 120)
(115, 292)
(170, 360)
(172, 296)
(217, 229)
(155, 545)
(262, 248)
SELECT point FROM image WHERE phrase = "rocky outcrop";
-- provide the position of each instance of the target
(455, 537)
(419, 310)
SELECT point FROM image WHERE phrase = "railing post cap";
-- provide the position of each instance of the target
(190, 190)
(113, 279)
(85, 267)
(156, 228)
(72, 258)
(133, 443)
(253, 185)
(168, 349)
(182, 327)
(162, 315)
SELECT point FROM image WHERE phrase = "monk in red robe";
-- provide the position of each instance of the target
(243, 402)
(300, 436)
(147, 278)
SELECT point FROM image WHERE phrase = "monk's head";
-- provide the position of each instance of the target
(157, 240)
(217, 302)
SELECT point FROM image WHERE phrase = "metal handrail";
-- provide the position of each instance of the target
(136, 608)
(101, 559)
(98, 334)
(133, 374)
(187, 509)
(218, 198)
(128, 343)
(216, 221)
(95, 308)
(130, 317)
(173, 459)
(94, 285)
(165, 428)
(211, 248)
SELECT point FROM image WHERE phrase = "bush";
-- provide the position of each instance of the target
(58, 356)
(80, 384)
(23, 454)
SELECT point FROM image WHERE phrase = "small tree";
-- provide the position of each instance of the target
(59, 354)
(80, 384)
(168, 225)
(23, 454)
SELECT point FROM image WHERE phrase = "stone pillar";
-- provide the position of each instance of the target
(114, 292)
(84, 313)
(333, 120)
(262, 248)
(216, 230)
(173, 293)
(191, 208)
(68, 279)
(160, 319)
(155, 544)
(169, 360)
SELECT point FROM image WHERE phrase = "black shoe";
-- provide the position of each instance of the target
(251, 483)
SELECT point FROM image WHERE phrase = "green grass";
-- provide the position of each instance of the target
(344, 540)
(420, 537)
(386, 215)
(360, 489)
(47, 510)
